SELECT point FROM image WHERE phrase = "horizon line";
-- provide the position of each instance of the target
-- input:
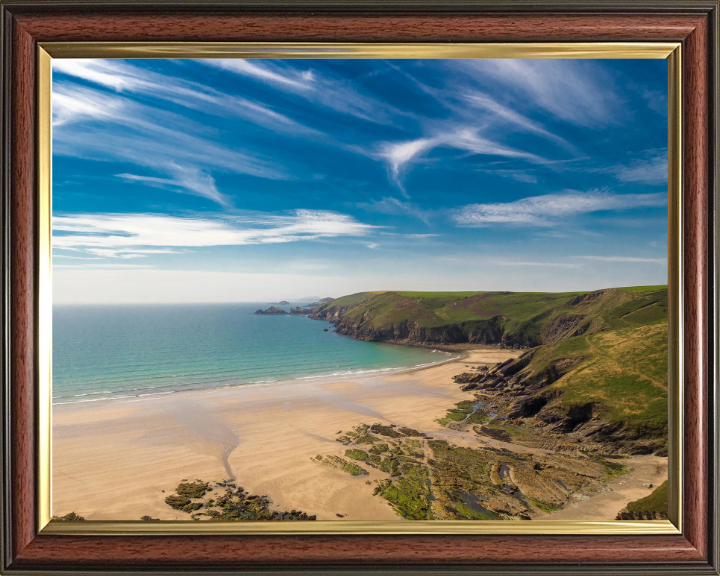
(300, 300)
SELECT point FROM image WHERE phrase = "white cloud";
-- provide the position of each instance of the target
(186, 179)
(71, 104)
(471, 141)
(656, 101)
(624, 259)
(105, 72)
(265, 71)
(129, 253)
(540, 264)
(519, 175)
(653, 170)
(549, 209)
(420, 236)
(124, 77)
(128, 131)
(128, 233)
(399, 154)
(485, 102)
(336, 94)
(393, 206)
(578, 92)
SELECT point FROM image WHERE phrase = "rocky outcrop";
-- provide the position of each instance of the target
(564, 326)
(272, 311)
(524, 397)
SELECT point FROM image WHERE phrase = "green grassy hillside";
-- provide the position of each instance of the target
(621, 373)
(523, 318)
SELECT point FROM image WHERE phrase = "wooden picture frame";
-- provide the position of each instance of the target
(27, 548)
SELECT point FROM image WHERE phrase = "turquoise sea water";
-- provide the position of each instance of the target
(102, 352)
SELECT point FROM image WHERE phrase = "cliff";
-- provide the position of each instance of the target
(510, 319)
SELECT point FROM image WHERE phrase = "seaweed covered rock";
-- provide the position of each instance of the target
(356, 454)
(195, 489)
(232, 504)
(383, 430)
(182, 503)
(69, 517)
(342, 464)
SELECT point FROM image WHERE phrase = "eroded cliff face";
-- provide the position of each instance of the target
(410, 332)
(527, 398)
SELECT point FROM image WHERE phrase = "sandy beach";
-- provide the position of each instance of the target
(117, 460)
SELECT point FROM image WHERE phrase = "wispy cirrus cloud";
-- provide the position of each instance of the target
(550, 209)
(520, 175)
(578, 92)
(104, 266)
(511, 116)
(117, 234)
(630, 259)
(652, 169)
(394, 206)
(95, 125)
(656, 101)
(123, 253)
(538, 264)
(185, 179)
(330, 93)
(265, 71)
(73, 103)
(400, 154)
(128, 79)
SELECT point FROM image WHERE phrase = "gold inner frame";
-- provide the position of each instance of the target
(606, 50)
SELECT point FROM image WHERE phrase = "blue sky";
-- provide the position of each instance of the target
(257, 180)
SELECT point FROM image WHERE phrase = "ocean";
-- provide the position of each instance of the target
(120, 351)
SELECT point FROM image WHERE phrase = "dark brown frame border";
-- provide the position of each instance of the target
(694, 23)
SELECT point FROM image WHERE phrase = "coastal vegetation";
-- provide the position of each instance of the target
(651, 507)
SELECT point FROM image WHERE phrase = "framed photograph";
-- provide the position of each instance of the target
(357, 288)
